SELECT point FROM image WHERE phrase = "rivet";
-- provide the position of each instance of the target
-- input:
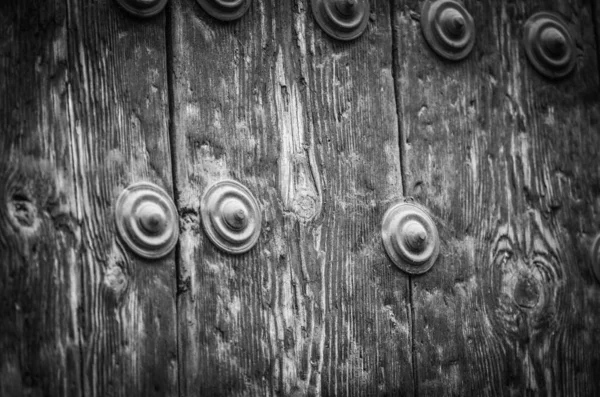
(225, 10)
(595, 253)
(549, 45)
(147, 220)
(143, 8)
(448, 28)
(342, 19)
(410, 238)
(231, 216)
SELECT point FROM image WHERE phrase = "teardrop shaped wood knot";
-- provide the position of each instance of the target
(410, 237)
(342, 19)
(225, 10)
(143, 8)
(549, 45)
(448, 28)
(147, 220)
(231, 216)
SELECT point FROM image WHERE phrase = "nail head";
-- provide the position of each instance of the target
(342, 19)
(549, 45)
(147, 220)
(225, 10)
(448, 28)
(231, 216)
(410, 237)
(143, 8)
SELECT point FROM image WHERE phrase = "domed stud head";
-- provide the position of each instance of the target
(225, 10)
(147, 220)
(143, 8)
(596, 257)
(549, 45)
(231, 216)
(448, 28)
(410, 238)
(342, 19)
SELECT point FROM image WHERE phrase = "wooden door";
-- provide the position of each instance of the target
(327, 135)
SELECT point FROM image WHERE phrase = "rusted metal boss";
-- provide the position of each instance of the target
(410, 238)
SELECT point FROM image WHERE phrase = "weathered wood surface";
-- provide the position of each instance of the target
(309, 125)
(508, 163)
(596, 10)
(84, 112)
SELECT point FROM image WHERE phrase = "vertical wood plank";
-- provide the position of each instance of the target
(84, 113)
(309, 125)
(508, 163)
(596, 10)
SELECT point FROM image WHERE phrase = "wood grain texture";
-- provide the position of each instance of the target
(84, 113)
(508, 163)
(309, 125)
(596, 10)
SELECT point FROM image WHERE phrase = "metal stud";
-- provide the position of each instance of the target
(231, 216)
(549, 45)
(448, 28)
(342, 19)
(595, 254)
(225, 10)
(147, 220)
(410, 238)
(143, 8)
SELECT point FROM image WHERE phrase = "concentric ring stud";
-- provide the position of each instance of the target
(410, 238)
(143, 8)
(342, 19)
(595, 253)
(448, 28)
(147, 220)
(225, 10)
(231, 216)
(549, 45)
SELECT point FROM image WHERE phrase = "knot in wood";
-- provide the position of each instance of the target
(23, 213)
(305, 205)
(527, 292)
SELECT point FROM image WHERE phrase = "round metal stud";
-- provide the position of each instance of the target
(143, 8)
(549, 45)
(342, 19)
(225, 10)
(410, 238)
(147, 220)
(448, 28)
(596, 257)
(231, 216)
